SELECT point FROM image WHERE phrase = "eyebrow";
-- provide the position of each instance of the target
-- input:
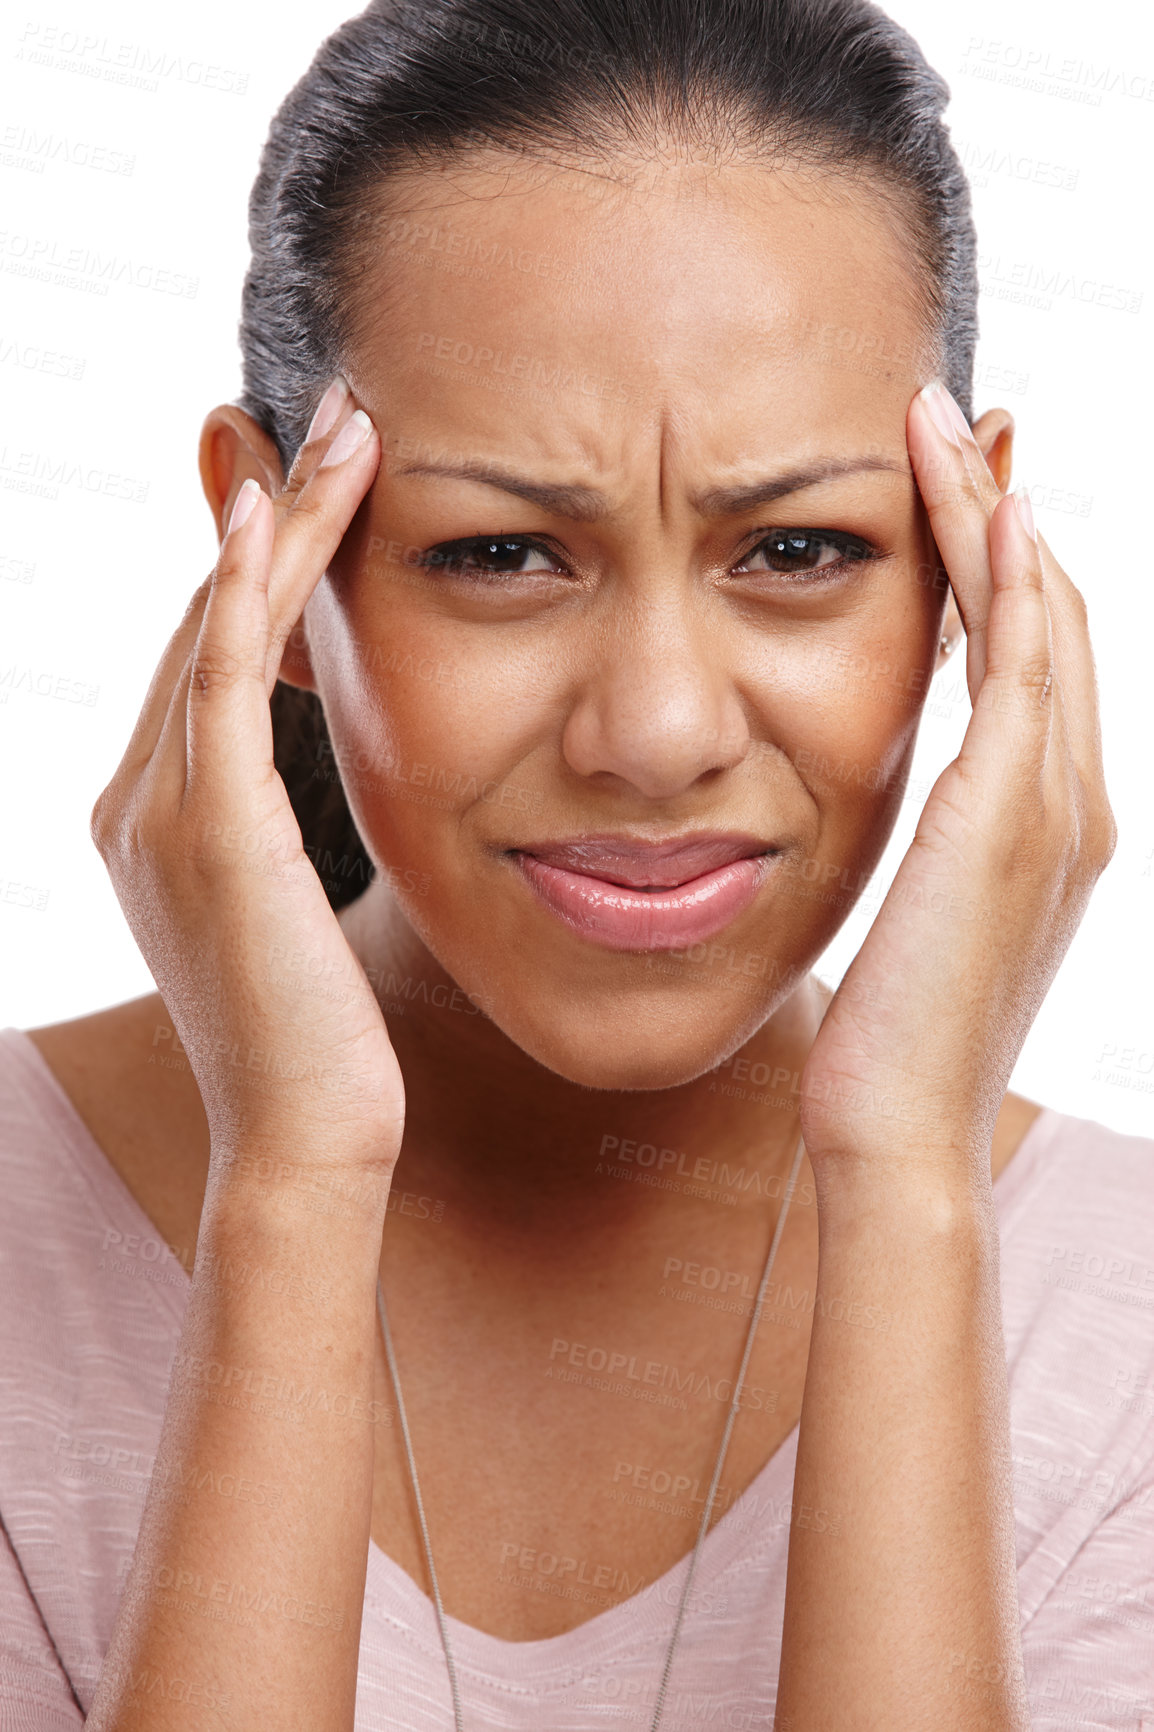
(588, 504)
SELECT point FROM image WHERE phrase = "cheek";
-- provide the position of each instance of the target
(430, 723)
(844, 707)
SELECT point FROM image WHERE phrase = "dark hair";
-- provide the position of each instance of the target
(827, 84)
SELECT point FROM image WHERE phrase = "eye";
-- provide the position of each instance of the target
(485, 557)
(793, 552)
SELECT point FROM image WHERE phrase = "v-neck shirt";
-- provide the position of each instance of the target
(92, 1304)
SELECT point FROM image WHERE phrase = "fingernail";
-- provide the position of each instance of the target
(1025, 512)
(328, 409)
(243, 504)
(350, 438)
(944, 413)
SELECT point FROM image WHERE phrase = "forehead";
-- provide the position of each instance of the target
(567, 310)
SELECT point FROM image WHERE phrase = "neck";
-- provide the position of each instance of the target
(504, 1138)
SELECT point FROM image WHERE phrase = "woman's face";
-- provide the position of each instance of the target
(710, 615)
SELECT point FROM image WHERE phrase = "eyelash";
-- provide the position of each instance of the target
(446, 556)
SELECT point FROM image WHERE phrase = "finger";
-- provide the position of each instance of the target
(1074, 663)
(161, 690)
(960, 495)
(1058, 773)
(332, 410)
(163, 780)
(228, 725)
(330, 476)
(168, 689)
(1076, 804)
(1017, 709)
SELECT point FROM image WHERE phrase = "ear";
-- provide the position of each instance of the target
(994, 432)
(233, 449)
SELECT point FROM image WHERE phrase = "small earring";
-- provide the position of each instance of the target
(945, 644)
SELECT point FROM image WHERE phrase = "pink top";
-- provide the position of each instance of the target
(91, 1304)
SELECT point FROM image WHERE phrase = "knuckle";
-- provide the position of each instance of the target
(1035, 675)
(102, 820)
(215, 671)
(980, 483)
(1102, 839)
(302, 466)
(955, 493)
(286, 499)
(118, 828)
(313, 506)
(1093, 835)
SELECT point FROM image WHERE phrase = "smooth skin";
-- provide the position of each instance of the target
(648, 673)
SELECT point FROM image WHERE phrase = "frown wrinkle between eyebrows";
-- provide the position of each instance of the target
(590, 505)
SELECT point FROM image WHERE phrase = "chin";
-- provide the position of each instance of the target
(630, 1047)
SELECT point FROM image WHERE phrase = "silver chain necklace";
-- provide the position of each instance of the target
(702, 1530)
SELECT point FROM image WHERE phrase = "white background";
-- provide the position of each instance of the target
(92, 584)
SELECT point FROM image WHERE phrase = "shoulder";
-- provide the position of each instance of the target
(114, 1064)
(93, 1298)
(93, 1290)
(1092, 1169)
(40, 1133)
(1015, 1117)
(91, 1313)
(1077, 1272)
(128, 1081)
(1077, 1188)
(1077, 1256)
(84, 1132)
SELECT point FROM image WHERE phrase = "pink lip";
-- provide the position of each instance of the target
(594, 886)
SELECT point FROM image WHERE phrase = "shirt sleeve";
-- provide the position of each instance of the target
(35, 1695)
(1089, 1648)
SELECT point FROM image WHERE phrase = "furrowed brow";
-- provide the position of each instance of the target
(588, 504)
(729, 501)
(584, 504)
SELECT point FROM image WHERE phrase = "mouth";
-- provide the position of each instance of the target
(629, 895)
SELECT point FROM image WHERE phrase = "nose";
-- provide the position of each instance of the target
(658, 707)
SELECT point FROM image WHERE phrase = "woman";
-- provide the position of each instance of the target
(429, 1320)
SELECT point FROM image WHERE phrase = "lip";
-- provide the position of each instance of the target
(595, 885)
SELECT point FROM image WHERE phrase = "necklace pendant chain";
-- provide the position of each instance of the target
(703, 1529)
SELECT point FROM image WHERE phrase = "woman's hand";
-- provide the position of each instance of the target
(282, 1029)
(273, 1378)
(904, 1437)
(916, 1049)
